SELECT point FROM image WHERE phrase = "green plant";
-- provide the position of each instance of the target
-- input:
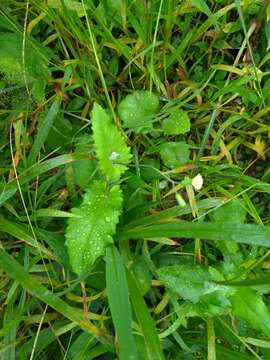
(134, 179)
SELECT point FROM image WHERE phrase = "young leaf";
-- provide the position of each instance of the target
(88, 236)
(111, 148)
(177, 123)
(174, 154)
(138, 109)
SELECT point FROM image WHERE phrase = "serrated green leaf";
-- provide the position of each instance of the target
(174, 154)
(177, 123)
(112, 151)
(88, 236)
(137, 111)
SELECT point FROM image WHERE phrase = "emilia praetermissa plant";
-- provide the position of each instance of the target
(91, 231)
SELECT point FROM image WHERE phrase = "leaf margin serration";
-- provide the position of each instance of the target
(88, 235)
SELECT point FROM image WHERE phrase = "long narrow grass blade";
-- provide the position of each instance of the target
(119, 304)
(33, 286)
(44, 129)
(151, 340)
(247, 233)
(9, 189)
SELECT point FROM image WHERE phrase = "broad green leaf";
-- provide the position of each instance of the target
(88, 236)
(137, 111)
(249, 305)
(31, 70)
(177, 123)
(232, 212)
(112, 151)
(174, 154)
(119, 304)
(189, 282)
(196, 284)
(247, 233)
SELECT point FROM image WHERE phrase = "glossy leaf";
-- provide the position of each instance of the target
(112, 151)
(88, 236)
(137, 111)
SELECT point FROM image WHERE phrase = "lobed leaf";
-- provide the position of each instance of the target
(88, 236)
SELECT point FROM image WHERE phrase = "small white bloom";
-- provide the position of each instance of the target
(197, 182)
(114, 155)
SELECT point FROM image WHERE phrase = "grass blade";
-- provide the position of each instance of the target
(119, 304)
(8, 190)
(247, 233)
(33, 286)
(44, 129)
(19, 232)
(147, 325)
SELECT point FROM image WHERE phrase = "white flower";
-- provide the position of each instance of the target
(197, 182)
